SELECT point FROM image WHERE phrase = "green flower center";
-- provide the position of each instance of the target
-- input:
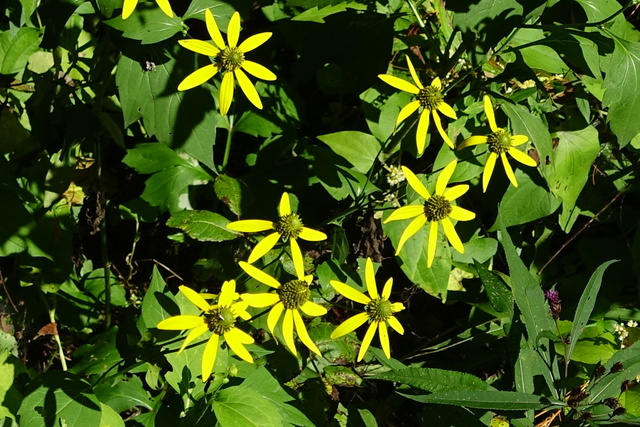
(231, 58)
(499, 142)
(220, 320)
(430, 97)
(289, 226)
(437, 208)
(294, 294)
(379, 310)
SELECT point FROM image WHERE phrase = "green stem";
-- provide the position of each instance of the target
(227, 147)
(56, 336)
(101, 205)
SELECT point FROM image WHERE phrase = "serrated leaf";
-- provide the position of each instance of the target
(15, 49)
(243, 407)
(496, 400)
(202, 225)
(149, 24)
(359, 149)
(434, 380)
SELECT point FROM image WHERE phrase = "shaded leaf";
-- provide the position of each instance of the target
(202, 225)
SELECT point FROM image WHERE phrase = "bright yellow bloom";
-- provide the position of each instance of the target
(130, 5)
(436, 209)
(500, 143)
(290, 297)
(228, 59)
(429, 98)
(219, 319)
(378, 311)
(289, 226)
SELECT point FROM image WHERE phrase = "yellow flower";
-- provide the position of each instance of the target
(436, 209)
(219, 319)
(290, 297)
(289, 226)
(130, 5)
(378, 311)
(429, 98)
(228, 59)
(500, 143)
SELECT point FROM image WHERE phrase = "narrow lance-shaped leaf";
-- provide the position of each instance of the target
(495, 400)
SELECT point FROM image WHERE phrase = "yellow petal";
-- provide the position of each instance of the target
(518, 140)
(350, 325)
(250, 225)
(165, 7)
(296, 257)
(443, 134)
(128, 7)
(312, 309)
(287, 331)
(195, 298)
(194, 334)
(181, 322)
(411, 229)
(367, 340)
(452, 235)
(199, 46)
(436, 83)
(234, 341)
(226, 93)
(488, 170)
(311, 235)
(349, 292)
(386, 291)
(233, 30)
(240, 310)
(254, 41)
(393, 322)
(405, 212)
(415, 183)
(445, 176)
(488, 110)
(303, 334)
(455, 192)
(213, 30)
(446, 109)
(209, 356)
(274, 316)
(397, 306)
(523, 158)
(370, 279)
(258, 70)
(264, 246)
(472, 140)
(242, 337)
(407, 110)
(248, 88)
(433, 240)
(384, 339)
(198, 77)
(421, 132)
(508, 170)
(398, 83)
(461, 214)
(414, 75)
(260, 300)
(284, 208)
(227, 293)
(259, 275)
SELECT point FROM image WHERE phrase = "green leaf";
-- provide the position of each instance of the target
(13, 135)
(221, 11)
(202, 225)
(622, 91)
(60, 399)
(158, 302)
(244, 407)
(434, 380)
(318, 13)
(232, 192)
(585, 306)
(10, 396)
(536, 55)
(147, 23)
(495, 400)
(15, 49)
(152, 157)
(169, 189)
(359, 149)
(609, 385)
(499, 294)
(124, 394)
(98, 355)
(110, 418)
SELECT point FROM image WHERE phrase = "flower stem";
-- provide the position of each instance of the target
(227, 148)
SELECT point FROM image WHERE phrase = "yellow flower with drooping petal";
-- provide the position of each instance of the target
(290, 298)
(228, 59)
(129, 6)
(378, 311)
(429, 98)
(289, 226)
(219, 319)
(500, 143)
(436, 209)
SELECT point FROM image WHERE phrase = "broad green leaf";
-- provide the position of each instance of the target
(334, 350)
(578, 49)
(600, 10)
(232, 192)
(98, 355)
(244, 407)
(585, 306)
(535, 54)
(487, 399)
(15, 49)
(622, 91)
(109, 417)
(60, 399)
(318, 13)
(202, 225)
(126, 393)
(40, 62)
(499, 294)
(152, 157)
(158, 302)
(148, 24)
(221, 11)
(169, 189)
(434, 380)
(10, 396)
(359, 149)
